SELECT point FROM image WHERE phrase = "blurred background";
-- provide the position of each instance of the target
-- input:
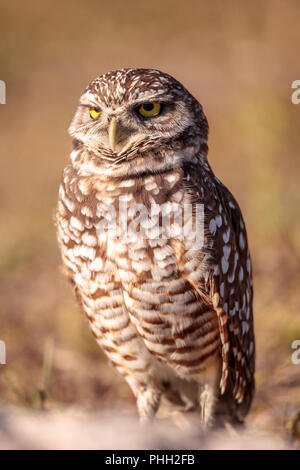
(239, 60)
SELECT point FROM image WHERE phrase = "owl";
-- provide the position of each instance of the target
(171, 308)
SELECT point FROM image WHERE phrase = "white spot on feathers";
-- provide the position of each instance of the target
(225, 265)
(226, 235)
(219, 220)
(242, 241)
(226, 251)
(212, 226)
(76, 223)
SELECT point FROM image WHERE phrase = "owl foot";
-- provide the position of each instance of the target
(206, 403)
(148, 401)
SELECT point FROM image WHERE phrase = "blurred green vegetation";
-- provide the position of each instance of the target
(239, 60)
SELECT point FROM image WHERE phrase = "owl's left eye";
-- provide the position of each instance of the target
(94, 112)
(149, 110)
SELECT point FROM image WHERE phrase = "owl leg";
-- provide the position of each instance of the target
(206, 403)
(148, 400)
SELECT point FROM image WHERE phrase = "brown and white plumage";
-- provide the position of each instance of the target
(173, 317)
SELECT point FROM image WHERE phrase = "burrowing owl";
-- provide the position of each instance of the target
(173, 313)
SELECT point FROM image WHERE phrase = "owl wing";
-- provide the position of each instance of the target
(231, 292)
(227, 285)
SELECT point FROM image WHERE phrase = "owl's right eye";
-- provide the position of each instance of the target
(94, 112)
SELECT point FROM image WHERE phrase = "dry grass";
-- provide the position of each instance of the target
(239, 61)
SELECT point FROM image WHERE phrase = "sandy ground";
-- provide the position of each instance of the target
(73, 429)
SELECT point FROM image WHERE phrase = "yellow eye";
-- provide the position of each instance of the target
(149, 110)
(94, 112)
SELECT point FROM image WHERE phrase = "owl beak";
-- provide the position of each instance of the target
(112, 133)
(117, 133)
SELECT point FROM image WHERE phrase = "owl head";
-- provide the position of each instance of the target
(127, 113)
